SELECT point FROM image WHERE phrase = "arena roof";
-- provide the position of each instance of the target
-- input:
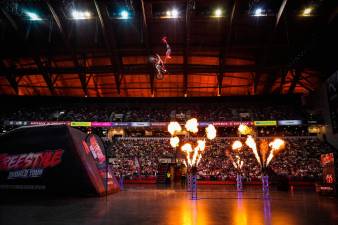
(283, 47)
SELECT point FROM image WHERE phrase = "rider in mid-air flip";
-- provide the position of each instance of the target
(159, 63)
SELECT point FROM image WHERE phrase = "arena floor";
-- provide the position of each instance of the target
(151, 205)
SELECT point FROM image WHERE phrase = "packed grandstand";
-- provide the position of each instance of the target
(138, 152)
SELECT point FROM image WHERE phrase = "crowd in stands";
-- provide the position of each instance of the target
(300, 159)
(139, 157)
(153, 112)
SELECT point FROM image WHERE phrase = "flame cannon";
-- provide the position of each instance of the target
(264, 153)
(193, 152)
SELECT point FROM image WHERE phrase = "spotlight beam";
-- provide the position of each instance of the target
(110, 42)
(81, 74)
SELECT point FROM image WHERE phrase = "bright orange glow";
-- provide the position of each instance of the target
(201, 144)
(211, 131)
(174, 141)
(237, 145)
(250, 142)
(174, 127)
(307, 11)
(264, 149)
(192, 125)
(244, 129)
(277, 143)
(276, 146)
(186, 147)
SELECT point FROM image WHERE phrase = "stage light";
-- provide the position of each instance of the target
(81, 15)
(33, 16)
(218, 13)
(307, 11)
(124, 14)
(258, 12)
(168, 13)
(174, 13)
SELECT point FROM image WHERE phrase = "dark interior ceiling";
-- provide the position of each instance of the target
(239, 53)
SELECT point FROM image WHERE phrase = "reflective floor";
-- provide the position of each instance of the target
(151, 205)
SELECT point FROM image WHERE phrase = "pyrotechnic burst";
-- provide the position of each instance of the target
(210, 131)
(276, 146)
(192, 125)
(237, 145)
(197, 152)
(174, 127)
(250, 142)
(263, 150)
(187, 149)
(244, 129)
(201, 144)
(174, 141)
(237, 162)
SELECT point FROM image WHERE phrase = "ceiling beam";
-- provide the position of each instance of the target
(329, 11)
(46, 76)
(225, 45)
(280, 13)
(10, 20)
(307, 87)
(186, 45)
(131, 88)
(269, 82)
(267, 50)
(297, 74)
(143, 69)
(284, 73)
(10, 78)
(81, 73)
(145, 34)
(110, 42)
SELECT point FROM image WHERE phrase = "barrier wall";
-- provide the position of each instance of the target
(54, 159)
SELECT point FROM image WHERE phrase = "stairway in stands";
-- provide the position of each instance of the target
(162, 173)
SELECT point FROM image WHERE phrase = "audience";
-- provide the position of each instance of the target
(153, 112)
(141, 156)
(299, 160)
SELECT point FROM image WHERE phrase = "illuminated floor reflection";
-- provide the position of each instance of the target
(173, 206)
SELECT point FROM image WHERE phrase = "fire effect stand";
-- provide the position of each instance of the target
(265, 186)
(239, 180)
(189, 179)
(194, 183)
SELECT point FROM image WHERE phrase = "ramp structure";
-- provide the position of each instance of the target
(54, 159)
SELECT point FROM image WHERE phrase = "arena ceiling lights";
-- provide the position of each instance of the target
(174, 13)
(32, 16)
(124, 14)
(81, 15)
(218, 13)
(307, 11)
